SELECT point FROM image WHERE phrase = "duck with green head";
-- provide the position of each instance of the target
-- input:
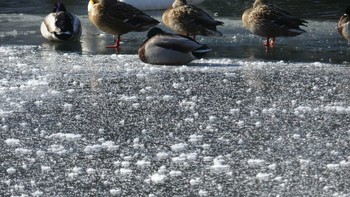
(170, 49)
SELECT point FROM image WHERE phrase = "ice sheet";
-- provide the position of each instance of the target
(107, 124)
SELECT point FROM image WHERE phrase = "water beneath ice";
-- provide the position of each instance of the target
(79, 119)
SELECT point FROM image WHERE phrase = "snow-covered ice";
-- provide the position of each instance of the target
(83, 120)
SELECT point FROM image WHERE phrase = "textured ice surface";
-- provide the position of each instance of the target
(79, 119)
(108, 124)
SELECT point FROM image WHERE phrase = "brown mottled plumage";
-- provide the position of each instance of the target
(118, 18)
(344, 24)
(190, 20)
(269, 21)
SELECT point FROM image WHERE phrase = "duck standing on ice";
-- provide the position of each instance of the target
(61, 25)
(118, 18)
(270, 21)
(190, 20)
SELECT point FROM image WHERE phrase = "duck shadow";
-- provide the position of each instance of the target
(207, 64)
(63, 46)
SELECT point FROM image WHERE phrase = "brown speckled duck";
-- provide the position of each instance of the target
(344, 24)
(118, 18)
(170, 49)
(190, 20)
(269, 21)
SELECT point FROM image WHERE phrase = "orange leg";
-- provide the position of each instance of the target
(116, 45)
(272, 43)
(267, 43)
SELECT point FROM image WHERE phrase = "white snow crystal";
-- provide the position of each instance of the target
(206, 146)
(175, 173)
(296, 136)
(125, 171)
(180, 159)
(11, 170)
(235, 111)
(115, 192)
(67, 106)
(158, 178)
(65, 136)
(208, 159)
(45, 169)
(344, 164)
(240, 123)
(333, 166)
(143, 163)
(125, 164)
(13, 142)
(90, 149)
(218, 166)
(162, 155)
(195, 138)
(179, 147)
(213, 119)
(23, 151)
(263, 176)
(129, 98)
(195, 181)
(202, 193)
(37, 193)
(109, 146)
(167, 97)
(90, 171)
(191, 156)
(255, 162)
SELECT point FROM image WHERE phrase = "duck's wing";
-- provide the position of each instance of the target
(122, 12)
(194, 13)
(175, 42)
(278, 17)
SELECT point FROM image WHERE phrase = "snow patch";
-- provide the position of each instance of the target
(158, 178)
(13, 142)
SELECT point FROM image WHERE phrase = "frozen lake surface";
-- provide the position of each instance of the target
(79, 119)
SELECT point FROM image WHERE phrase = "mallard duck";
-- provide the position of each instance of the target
(155, 4)
(269, 21)
(344, 24)
(61, 25)
(118, 18)
(190, 20)
(170, 49)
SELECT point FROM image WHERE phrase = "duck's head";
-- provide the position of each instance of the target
(178, 3)
(259, 2)
(154, 31)
(59, 7)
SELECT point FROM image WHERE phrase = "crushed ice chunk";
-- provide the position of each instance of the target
(13, 142)
(158, 178)
(179, 147)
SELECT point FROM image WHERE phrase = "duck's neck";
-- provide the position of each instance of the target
(259, 2)
(178, 3)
